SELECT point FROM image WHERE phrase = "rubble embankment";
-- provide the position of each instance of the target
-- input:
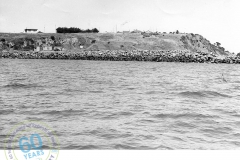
(118, 55)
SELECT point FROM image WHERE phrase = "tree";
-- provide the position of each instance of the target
(218, 44)
(177, 32)
(88, 31)
(18, 43)
(95, 30)
(53, 38)
(75, 30)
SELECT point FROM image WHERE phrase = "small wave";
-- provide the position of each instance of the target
(203, 94)
(227, 112)
(88, 147)
(130, 88)
(185, 124)
(5, 112)
(148, 137)
(115, 136)
(236, 115)
(122, 146)
(95, 91)
(177, 138)
(183, 115)
(235, 143)
(237, 123)
(94, 132)
(236, 81)
(80, 147)
(237, 135)
(117, 115)
(145, 113)
(47, 147)
(3, 136)
(153, 92)
(163, 147)
(220, 130)
(35, 119)
(147, 121)
(63, 112)
(134, 147)
(20, 85)
(72, 90)
(125, 113)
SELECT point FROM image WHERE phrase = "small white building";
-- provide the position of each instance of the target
(37, 49)
(148, 32)
(47, 48)
(126, 32)
(136, 31)
(57, 48)
(30, 30)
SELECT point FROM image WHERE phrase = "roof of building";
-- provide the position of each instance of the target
(31, 30)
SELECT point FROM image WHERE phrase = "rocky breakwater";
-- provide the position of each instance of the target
(119, 55)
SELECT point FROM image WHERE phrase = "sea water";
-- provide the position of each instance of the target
(124, 105)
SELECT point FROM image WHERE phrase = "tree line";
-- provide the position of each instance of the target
(75, 30)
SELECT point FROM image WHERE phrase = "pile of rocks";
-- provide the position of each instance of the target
(119, 55)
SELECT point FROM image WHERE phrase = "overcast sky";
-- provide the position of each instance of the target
(216, 20)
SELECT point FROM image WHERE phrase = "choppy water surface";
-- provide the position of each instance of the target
(124, 105)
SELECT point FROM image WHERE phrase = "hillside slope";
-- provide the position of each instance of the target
(111, 41)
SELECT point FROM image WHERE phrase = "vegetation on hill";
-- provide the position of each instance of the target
(112, 41)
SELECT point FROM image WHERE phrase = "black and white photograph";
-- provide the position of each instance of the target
(118, 75)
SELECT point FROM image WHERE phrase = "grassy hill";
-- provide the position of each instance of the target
(120, 41)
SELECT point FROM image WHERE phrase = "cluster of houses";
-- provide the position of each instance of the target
(47, 44)
(42, 44)
(5, 44)
(148, 31)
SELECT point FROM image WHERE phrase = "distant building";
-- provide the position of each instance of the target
(136, 31)
(11, 44)
(57, 48)
(37, 49)
(217, 44)
(30, 30)
(126, 32)
(44, 47)
(47, 47)
(149, 32)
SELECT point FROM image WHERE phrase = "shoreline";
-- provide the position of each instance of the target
(184, 56)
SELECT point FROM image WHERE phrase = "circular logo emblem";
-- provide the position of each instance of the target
(31, 141)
